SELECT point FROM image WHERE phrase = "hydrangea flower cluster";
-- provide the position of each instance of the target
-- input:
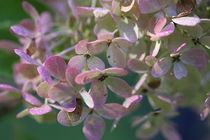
(164, 42)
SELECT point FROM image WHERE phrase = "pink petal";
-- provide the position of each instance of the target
(85, 11)
(87, 76)
(169, 29)
(44, 74)
(29, 71)
(71, 74)
(113, 111)
(61, 93)
(78, 62)
(118, 86)
(56, 66)
(22, 114)
(116, 56)
(44, 109)
(94, 127)
(31, 99)
(122, 43)
(155, 48)
(64, 118)
(26, 57)
(81, 47)
(161, 67)
(187, 21)
(160, 24)
(95, 63)
(69, 106)
(114, 71)
(132, 100)
(98, 46)
(195, 57)
(179, 70)
(9, 88)
(21, 31)
(98, 93)
(30, 10)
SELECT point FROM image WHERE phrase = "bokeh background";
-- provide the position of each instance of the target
(11, 12)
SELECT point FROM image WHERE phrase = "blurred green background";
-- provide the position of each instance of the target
(11, 128)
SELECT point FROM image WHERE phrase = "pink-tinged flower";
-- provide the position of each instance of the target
(94, 125)
(161, 29)
(116, 48)
(100, 80)
(193, 56)
(85, 58)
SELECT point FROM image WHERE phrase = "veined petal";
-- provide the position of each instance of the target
(68, 106)
(61, 93)
(161, 67)
(98, 93)
(179, 70)
(94, 127)
(116, 56)
(56, 66)
(98, 46)
(87, 76)
(78, 62)
(87, 98)
(44, 74)
(71, 74)
(112, 111)
(195, 57)
(122, 43)
(95, 63)
(81, 47)
(118, 86)
(42, 89)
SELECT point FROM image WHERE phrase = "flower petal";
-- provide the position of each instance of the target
(98, 46)
(56, 66)
(113, 111)
(71, 74)
(21, 31)
(161, 67)
(98, 93)
(42, 89)
(81, 47)
(137, 66)
(87, 98)
(30, 10)
(95, 63)
(195, 57)
(78, 62)
(61, 93)
(114, 71)
(160, 24)
(44, 109)
(116, 56)
(31, 99)
(179, 70)
(27, 70)
(118, 86)
(205, 110)
(9, 88)
(87, 76)
(94, 127)
(26, 57)
(187, 21)
(132, 100)
(44, 74)
(69, 106)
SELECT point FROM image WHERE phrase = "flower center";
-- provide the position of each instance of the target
(102, 78)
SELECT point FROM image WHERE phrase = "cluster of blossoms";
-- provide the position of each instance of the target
(147, 38)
